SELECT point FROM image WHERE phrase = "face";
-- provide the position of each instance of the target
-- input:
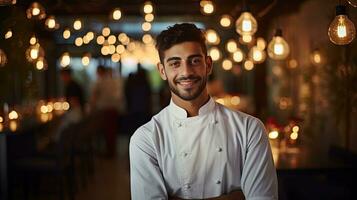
(186, 68)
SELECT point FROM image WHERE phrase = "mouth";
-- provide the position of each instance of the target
(188, 83)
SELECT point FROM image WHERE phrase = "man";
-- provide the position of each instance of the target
(73, 91)
(195, 148)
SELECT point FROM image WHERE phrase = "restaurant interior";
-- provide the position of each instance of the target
(78, 77)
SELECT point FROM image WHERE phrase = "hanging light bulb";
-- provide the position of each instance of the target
(212, 37)
(148, 7)
(7, 2)
(33, 40)
(246, 24)
(245, 39)
(226, 21)
(8, 34)
(149, 17)
(146, 26)
(231, 46)
(278, 48)
(116, 15)
(41, 63)
(3, 58)
(65, 59)
(36, 11)
(66, 33)
(227, 64)
(34, 52)
(51, 23)
(352, 3)
(238, 55)
(257, 55)
(261, 44)
(214, 53)
(342, 30)
(147, 38)
(207, 7)
(86, 59)
(316, 58)
(248, 65)
(77, 25)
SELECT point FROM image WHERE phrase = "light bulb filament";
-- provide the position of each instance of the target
(246, 25)
(341, 30)
(278, 49)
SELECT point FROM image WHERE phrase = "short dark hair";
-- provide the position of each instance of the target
(179, 33)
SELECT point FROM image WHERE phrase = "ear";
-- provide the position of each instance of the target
(209, 64)
(161, 69)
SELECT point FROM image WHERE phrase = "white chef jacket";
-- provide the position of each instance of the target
(205, 156)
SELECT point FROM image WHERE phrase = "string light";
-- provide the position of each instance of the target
(248, 65)
(77, 24)
(116, 15)
(225, 21)
(148, 7)
(3, 58)
(257, 55)
(36, 11)
(212, 37)
(86, 59)
(51, 23)
(341, 30)
(227, 64)
(214, 53)
(66, 33)
(278, 48)
(238, 55)
(149, 17)
(8, 34)
(106, 31)
(207, 7)
(146, 26)
(65, 59)
(231, 46)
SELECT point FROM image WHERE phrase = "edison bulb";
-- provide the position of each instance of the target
(316, 58)
(352, 3)
(226, 21)
(116, 15)
(215, 53)
(278, 48)
(238, 55)
(341, 30)
(231, 46)
(246, 24)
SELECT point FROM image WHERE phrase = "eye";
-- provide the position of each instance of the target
(196, 61)
(174, 63)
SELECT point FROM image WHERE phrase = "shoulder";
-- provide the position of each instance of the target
(148, 132)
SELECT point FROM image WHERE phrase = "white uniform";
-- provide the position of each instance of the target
(214, 153)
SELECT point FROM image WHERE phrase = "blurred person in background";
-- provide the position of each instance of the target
(107, 101)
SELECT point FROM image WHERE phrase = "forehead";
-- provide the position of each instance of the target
(183, 50)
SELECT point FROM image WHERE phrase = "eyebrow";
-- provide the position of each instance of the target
(189, 57)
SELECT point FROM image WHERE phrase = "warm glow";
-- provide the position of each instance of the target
(317, 58)
(86, 59)
(246, 24)
(13, 125)
(8, 34)
(34, 53)
(238, 56)
(278, 49)
(39, 64)
(33, 40)
(296, 128)
(231, 46)
(294, 135)
(149, 17)
(66, 33)
(212, 37)
(51, 22)
(120, 49)
(65, 106)
(208, 8)
(44, 109)
(65, 59)
(1, 119)
(77, 24)
(36, 11)
(106, 31)
(147, 38)
(104, 50)
(293, 63)
(341, 29)
(235, 100)
(112, 39)
(261, 44)
(248, 65)
(78, 42)
(57, 106)
(13, 115)
(227, 64)
(273, 134)
(146, 26)
(247, 38)
(148, 8)
(122, 37)
(115, 57)
(226, 21)
(111, 49)
(116, 14)
(85, 39)
(257, 55)
(214, 53)
(90, 36)
(100, 39)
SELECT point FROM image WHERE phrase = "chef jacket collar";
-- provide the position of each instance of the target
(181, 113)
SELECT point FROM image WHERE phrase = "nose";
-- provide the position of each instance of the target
(186, 69)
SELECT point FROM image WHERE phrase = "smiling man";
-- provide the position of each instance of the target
(195, 148)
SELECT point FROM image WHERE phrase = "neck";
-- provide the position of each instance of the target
(192, 106)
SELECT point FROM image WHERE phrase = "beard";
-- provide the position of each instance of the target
(188, 94)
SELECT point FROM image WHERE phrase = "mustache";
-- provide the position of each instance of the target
(188, 78)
